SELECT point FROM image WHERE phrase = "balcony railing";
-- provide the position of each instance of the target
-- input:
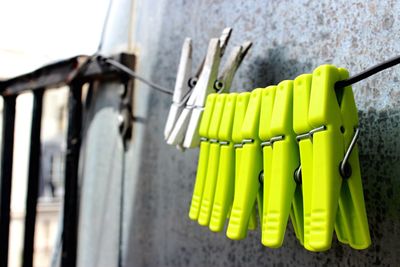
(74, 73)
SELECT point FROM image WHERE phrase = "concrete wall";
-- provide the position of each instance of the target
(290, 38)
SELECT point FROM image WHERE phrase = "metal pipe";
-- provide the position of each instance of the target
(33, 179)
(70, 218)
(7, 151)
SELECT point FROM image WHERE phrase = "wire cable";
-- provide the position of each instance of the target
(103, 29)
(368, 72)
(133, 74)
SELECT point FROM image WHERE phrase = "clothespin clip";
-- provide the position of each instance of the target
(333, 116)
(213, 161)
(351, 200)
(203, 158)
(222, 84)
(282, 195)
(183, 86)
(226, 169)
(304, 131)
(224, 191)
(301, 100)
(247, 186)
(202, 88)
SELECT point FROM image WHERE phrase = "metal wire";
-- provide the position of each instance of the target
(368, 72)
(133, 74)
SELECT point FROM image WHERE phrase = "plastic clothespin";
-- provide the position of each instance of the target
(225, 187)
(265, 135)
(301, 99)
(213, 161)
(267, 106)
(226, 169)
(301, 102)
(242, 102)
(184, 126)
(351, 199)
(247, 186)
(203, 158)
(280, 185)
(221, 85)
(335, 115)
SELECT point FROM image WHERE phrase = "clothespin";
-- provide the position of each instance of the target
(301, 126)
(222, 84)
(333, 117)
(184, 84)
(281, 160)
(242, 102)
(351, 200)
(226, 169)
(224, 191)
(203, 158)
(247, 186)
(213, 161)
(202, 88)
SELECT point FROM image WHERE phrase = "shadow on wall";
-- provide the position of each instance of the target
(273, 68)
(379, 148)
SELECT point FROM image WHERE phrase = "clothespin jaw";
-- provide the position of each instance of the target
(204, 87)
(285, 160)
(247, 185)
(213, 161)
(351, 200)
(267, 104)
(224, 82)
(226, 170)
(328, 150)
(182, 86)
(203, 158)
(301, 126)
(208, 70)
(242, 102)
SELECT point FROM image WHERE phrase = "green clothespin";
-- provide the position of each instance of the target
(328, 146)
(203, 158)
(226, 171)
(301, 102)
(247, 180)
(242, 102)
(213, 161)
(267, 105)
(333, 116)
(280, 186)
(351, 200)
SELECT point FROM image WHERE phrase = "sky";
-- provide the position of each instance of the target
(36, 32)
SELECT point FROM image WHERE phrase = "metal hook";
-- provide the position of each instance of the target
(345, 167)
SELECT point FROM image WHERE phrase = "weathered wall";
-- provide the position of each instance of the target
(290, 38)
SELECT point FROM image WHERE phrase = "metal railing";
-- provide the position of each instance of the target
(73, 72)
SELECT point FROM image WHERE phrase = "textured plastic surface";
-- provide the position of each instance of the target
(351, 200)
(240, 111)
(328, 151)
(280, 189)
(203, 159)
(213, 162)
(226, 171)
(301, 101)
(247, 184)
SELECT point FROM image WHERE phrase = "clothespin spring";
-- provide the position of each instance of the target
(272, 140)
(344, 167)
